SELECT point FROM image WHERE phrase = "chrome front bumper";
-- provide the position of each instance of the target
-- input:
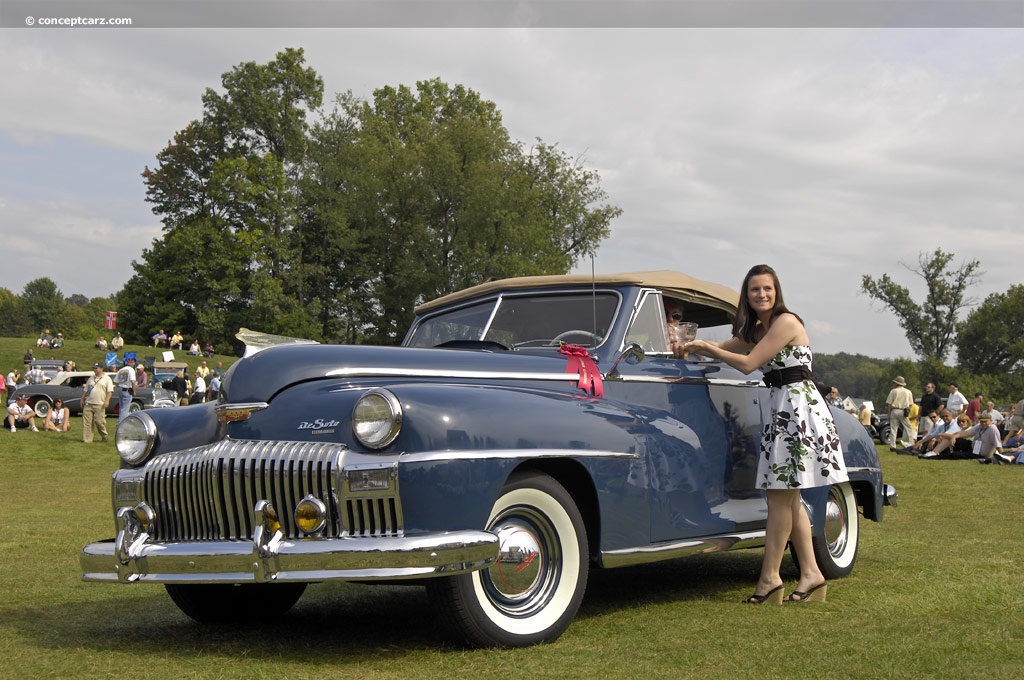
(265, 559)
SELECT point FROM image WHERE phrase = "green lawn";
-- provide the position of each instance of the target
(936, 593)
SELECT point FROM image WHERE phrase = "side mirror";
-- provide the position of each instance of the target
(633, 354)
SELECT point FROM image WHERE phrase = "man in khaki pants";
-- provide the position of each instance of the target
(898, 403)
(97, 398)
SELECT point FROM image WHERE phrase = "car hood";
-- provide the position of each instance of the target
(259, 377)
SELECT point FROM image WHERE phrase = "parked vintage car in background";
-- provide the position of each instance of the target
(527, 431)
(70, 386)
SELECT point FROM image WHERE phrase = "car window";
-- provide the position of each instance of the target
(532, 320)
(648, 326)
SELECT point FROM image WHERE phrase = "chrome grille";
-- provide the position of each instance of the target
(371, 517)
(209, 493)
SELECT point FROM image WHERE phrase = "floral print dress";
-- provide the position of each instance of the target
(800, 446)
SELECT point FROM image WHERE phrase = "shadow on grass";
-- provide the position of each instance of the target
(343, 623)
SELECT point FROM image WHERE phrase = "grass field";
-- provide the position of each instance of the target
(937, 592)
(85, 354)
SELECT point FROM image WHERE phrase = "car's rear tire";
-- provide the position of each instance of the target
(42, 407)
(835, 548)
(234, 603)
(134, 407)
(532, 593)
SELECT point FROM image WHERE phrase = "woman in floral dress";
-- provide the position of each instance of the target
(799, 448)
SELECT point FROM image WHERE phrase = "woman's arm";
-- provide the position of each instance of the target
(785, 330)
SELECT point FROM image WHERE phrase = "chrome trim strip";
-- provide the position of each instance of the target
(362, 559)
(436, 373)
(865, 470)
(669, 551)
(510, 454)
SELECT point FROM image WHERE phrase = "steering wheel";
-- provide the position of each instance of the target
(594, 337)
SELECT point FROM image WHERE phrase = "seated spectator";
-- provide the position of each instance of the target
(101, 343)
(944, 427)
(160, 338)
(193, 349)
(176, 340)
(208, 350)
(1013, 446)
(971, 441)
(20, 414)
(35, 376)
(59, 417)
(116, 342)
(58, 341)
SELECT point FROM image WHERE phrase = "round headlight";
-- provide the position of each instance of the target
(377, 418)
(135, 438)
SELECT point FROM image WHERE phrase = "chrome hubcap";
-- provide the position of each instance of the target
(836, 533)
(526, 573)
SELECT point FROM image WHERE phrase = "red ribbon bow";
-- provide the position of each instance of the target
(581, 363)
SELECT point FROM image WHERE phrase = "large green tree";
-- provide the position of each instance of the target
(931, 326)
(991, 339)
(335, 229)
(426, 193)
(42, 304)
(226, 191)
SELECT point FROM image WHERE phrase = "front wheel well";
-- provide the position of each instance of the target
(577, 481)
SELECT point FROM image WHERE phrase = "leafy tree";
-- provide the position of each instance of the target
(431, 195)
(11, 322)
(855, 375)
(42, 304)
(931, 326)
(225, 189)
(991, 339)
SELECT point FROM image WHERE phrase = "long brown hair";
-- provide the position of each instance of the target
(745, 323)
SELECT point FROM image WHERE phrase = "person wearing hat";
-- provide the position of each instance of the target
(98, 391)
(20, 414)
(987, 447)
(898, 404)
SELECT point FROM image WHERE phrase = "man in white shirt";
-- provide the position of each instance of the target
(125, 382)
(956, 402)
(20, 414)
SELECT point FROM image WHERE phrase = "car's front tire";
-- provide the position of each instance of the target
(835, 548)
(532, 593)
(234, 603)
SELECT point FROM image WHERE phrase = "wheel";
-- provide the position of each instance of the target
(836, 549)
(234, 603)
(532, 593)
(883, 436)
(593, 337)
(134, 407)
(43, 407)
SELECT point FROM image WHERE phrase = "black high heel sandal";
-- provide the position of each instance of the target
(815, 594)
(773, 596)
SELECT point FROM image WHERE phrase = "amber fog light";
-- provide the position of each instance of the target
(310, 515)
(377, 418)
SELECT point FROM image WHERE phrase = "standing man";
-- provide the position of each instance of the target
(898, 404)
(97, 398)
(126, 384)
(35, 376)
(956, 403)
(974, 407)
(930, 401)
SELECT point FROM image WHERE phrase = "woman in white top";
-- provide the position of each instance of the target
(59, 417)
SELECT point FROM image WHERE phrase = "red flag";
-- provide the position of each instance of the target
(111, 320)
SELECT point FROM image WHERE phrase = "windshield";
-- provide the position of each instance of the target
(523, 321)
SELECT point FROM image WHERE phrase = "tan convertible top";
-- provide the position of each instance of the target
(693, 292)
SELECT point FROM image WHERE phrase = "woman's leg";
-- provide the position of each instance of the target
(801, 539)
(777, 531)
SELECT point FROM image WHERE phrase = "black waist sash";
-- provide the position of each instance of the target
(787, 376)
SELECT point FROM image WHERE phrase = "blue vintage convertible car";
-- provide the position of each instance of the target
(527, 431)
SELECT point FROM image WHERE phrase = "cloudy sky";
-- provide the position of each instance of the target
(828, 153)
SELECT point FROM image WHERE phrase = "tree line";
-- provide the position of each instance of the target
(333, 222)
